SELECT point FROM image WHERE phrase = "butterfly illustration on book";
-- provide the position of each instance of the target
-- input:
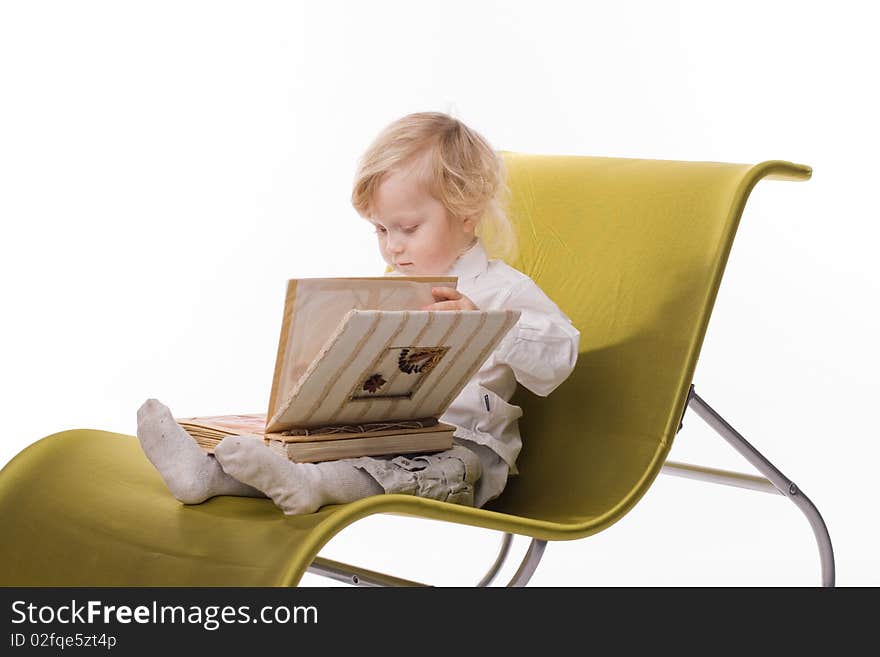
(374, 383)
(419, 360)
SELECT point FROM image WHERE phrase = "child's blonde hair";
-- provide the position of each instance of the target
(464, 173)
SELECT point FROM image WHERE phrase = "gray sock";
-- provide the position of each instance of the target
(294, 487)
(191, 474)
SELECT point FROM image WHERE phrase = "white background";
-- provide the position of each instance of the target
(165, 167)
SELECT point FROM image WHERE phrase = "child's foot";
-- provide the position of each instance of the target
(294, 487)
(191, 474)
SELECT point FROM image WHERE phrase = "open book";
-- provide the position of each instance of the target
(361, 371)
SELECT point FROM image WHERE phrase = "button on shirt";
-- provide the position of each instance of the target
(539, 352)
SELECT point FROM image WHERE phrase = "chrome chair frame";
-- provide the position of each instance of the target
(772, 481)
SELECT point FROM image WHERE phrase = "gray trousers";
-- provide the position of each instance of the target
(469, 473)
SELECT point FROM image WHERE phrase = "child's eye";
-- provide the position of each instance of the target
(379, 230)
(410, 230)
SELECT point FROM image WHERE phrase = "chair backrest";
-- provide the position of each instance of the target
(633, 251)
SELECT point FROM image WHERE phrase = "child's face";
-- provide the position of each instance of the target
(417, 236)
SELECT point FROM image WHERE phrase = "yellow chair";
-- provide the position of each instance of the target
(632, 250)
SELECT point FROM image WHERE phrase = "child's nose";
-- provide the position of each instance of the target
(394, 244)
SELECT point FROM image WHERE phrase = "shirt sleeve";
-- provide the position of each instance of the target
(542, 347)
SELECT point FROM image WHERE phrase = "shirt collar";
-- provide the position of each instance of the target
(471, 263)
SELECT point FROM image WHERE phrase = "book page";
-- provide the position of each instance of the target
(315, 308)
(248, 423)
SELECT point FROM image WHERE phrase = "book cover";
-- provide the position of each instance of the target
(312, 452)
(391, 365)
(315, 307)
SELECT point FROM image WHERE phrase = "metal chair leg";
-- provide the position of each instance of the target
(780, 482)
(357, 576)
(499, 561)
(529, 563)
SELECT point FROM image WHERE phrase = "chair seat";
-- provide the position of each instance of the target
(85, 507)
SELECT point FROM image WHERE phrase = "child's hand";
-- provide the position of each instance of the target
(448, 298)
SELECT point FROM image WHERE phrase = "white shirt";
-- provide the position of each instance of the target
(539, 352)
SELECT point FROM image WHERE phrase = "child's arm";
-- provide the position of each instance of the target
(542, 347)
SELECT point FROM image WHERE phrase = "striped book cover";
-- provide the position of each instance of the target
(391, 365)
